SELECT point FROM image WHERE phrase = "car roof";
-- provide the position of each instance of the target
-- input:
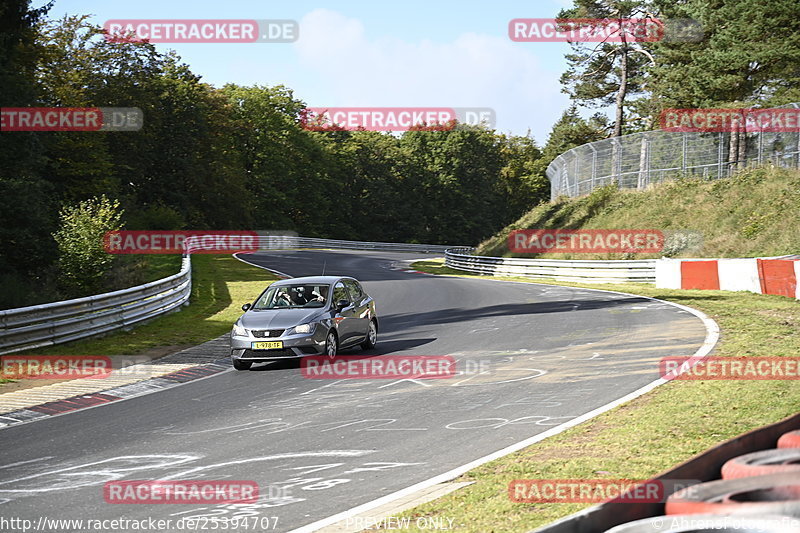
(311, 280)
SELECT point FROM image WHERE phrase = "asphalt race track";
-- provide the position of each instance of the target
(530, 357)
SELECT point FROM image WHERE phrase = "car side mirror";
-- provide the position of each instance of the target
(245, 307)
(341, 304)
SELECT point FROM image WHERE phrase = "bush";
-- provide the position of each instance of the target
(83, 263)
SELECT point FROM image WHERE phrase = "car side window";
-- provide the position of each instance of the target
(355, 290)
(340, 293)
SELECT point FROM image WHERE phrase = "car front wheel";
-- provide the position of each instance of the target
(331, 344)
(372, 336)
(238, 364)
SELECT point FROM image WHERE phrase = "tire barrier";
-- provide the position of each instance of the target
(762, 463)
(763, 495)
(790, 440)
(737, 497)
(711, 522)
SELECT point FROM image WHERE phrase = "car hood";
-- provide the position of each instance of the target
(277, 318)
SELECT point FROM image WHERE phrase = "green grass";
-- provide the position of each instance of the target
(743, 216)
(649, 434)
(220, 285)
(159, 266)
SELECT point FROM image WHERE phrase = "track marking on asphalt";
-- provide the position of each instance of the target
(276, 272)
(67, 398)
(711, 339)
(25, 398)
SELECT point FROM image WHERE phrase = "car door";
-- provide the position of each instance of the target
(361, 307)
(346, 322)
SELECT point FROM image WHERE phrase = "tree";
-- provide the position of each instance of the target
(750, 52)
(284, 164)
(459, 171)
(607, 73)
(572, 130)
(26, 200)
(525, 186)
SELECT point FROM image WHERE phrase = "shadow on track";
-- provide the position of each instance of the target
(446, 316)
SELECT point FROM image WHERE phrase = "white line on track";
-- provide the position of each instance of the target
(712, 336)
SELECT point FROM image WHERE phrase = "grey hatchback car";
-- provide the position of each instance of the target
(297, 317)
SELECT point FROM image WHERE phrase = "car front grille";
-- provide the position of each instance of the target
(264, 333)
(267, 354)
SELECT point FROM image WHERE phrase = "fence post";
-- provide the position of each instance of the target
(797, 159)
(720, 153)
(575, 190)
(684, 148)
(642, 157)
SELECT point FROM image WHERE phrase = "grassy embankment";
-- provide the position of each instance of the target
(755, 213)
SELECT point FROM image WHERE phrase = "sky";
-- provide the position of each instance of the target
(357, 53)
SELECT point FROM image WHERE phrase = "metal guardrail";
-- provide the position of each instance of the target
(26, 328)
(638, 160)
(274, 242)
(587, 271)
(36, 326)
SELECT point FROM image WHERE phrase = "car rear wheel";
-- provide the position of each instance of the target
(238, 364)
(372, 336)
(331, 344)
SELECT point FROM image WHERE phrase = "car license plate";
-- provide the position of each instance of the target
(271, 345)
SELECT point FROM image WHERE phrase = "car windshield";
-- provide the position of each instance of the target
(293, 297)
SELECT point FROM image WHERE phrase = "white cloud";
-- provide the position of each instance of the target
(471, 71)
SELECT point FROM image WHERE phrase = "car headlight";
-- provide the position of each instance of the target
(304, 328)
(239, 331)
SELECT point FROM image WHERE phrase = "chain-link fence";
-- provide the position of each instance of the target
(635, 161)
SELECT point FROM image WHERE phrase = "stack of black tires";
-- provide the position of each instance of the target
(758, 491)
